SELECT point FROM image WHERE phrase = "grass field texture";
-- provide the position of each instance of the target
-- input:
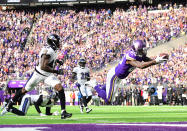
(103, 114)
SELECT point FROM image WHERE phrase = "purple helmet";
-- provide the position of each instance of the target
(139, 47)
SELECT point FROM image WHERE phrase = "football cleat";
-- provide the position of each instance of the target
(65, 115)
(4, 105)
(88, 110)
(81, 109)
(9, 105)
(4, 111)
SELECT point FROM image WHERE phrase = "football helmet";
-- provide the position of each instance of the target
(139, 47)
(82, 62)
(53, 41)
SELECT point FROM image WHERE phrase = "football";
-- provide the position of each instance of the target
(164, 55)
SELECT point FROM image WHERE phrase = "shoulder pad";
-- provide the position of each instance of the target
(44, 51)
(47, 51)
(75, 69)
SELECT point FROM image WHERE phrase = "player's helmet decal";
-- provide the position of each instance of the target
(82, 62)
(139, 47)
(53, 41)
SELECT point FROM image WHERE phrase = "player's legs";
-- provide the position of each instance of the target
(106, 91)
(88, 98)
(84, 91)
(81, 101)
(53, 81)
(81, 105)
(111, 85)
(89, 94)
(101, 92)
(17, 112)
(25, 103)
(31, 83)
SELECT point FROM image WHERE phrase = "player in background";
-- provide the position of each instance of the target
(134, 58)
(43, 100)
(81, 74)
(45, 71)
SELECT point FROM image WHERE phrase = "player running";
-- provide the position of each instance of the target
(135, 58)
(45, 71)
(81, 73)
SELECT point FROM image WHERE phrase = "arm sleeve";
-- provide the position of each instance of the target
(38, 103)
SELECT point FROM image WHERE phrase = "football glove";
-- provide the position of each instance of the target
(59, 72)
(77, 84)
(61, 62)
(160, 59)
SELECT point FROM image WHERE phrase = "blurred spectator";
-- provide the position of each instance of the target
(73, 98)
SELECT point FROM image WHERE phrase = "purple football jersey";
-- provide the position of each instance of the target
(123, 69)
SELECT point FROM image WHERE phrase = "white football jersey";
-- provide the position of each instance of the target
(34, 98)
(82, 74)
(53, 55)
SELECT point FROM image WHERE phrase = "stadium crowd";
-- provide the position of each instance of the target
(101, 36)
(14, 29)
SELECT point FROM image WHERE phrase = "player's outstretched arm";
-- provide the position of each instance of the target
(141, 65)
(148, 61)
(145, 64)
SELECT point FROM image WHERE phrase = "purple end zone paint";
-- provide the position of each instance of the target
(164, 126)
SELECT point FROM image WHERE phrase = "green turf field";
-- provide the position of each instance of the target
(103, 114)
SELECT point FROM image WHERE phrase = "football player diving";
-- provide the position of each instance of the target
(134, 58)
(45, 71)
(81, 74)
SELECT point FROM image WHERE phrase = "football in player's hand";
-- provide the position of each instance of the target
(164, 55)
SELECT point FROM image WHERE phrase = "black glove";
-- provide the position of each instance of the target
(61, 62)
(60, 72)
(78, 85)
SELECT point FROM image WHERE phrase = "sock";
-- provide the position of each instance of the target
(62, 111)
(84, 101)
(62, 99)
(88, 99)
(81, 102)
(16, 111)
(48, 111)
